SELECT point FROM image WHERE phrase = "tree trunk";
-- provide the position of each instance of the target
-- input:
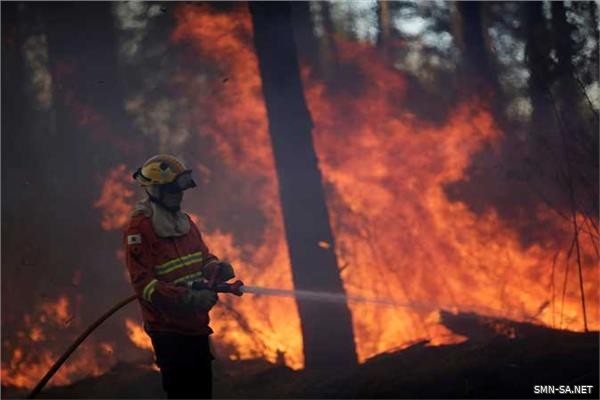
(538, 62)
(327, 329)
(593, 8)
(477, 65)
(384, 23)
(479, 72)
(581, 159)
(328, 48)
(568, 87)
(582, 135)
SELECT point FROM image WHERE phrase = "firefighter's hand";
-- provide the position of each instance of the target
(226, 271)
(222, 269)
(201, 299)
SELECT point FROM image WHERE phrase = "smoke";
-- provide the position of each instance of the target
(422, 212)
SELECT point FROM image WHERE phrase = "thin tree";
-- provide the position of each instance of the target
(477, 62)
(327, 329)
(538, 63)
(575, 137)
(479, 65)
(383, 23)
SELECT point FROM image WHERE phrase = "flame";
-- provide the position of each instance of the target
(29, 358)
(397, 234)
(252, 326)
(115, 198)
(137, 335)
(106, 348)
(196, 219)
(36, 334)
(22, 371)
(58, 311)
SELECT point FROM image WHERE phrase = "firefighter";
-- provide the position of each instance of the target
(165, 254)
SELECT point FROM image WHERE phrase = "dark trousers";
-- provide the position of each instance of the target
(185, 364)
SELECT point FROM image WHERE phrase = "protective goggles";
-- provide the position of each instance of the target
(181, 182)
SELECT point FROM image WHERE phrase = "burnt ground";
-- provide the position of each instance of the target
(501, 359)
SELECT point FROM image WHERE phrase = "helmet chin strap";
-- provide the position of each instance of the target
(160, 202)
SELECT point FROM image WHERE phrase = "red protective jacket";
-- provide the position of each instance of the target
(161, 270)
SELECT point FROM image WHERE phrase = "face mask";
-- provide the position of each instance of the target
(170, 201)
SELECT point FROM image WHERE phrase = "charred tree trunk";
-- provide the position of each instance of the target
(570, 90)
(563, 43)
(538, 62)
(326, 329)
(477, 64)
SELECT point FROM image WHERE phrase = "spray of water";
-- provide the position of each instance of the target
(329, 297)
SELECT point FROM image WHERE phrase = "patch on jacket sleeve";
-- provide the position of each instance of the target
(134, 239)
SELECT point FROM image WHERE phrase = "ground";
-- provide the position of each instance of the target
(501, 359)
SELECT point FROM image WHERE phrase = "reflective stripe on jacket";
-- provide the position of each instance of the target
(160, 269)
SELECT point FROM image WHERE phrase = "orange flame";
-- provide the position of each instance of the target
(137, 335)
(58, 311)
(106, 348)
(397, 234)
(115, 200)
(29, 358)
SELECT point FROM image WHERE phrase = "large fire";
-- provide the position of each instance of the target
(397, 233)
(30, 358)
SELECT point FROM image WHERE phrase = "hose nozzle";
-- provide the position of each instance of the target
(223, 287)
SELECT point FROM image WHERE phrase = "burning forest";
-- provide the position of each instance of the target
(396, 183)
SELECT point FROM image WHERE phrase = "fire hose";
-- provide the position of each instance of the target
(234, 288)
(237, 288)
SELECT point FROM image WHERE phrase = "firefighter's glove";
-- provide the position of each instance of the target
(222, 269)
(226, 272)
(202, 300)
